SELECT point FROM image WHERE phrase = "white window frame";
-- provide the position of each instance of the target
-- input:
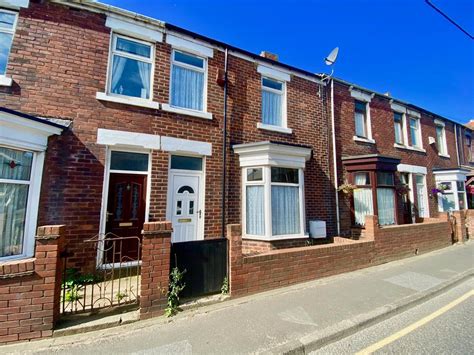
(404, 142)
(283, 95)
(32, 202)
(4, 80)
(267, 188)
(358, 95)
(194, 68)
(452, 177)
(418, 130)
(442, 146)
(112, 52)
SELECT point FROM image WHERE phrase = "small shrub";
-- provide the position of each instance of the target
(225, 286)
(175, 288)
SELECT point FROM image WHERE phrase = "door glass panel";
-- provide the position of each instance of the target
(191, 207)
(179, 208)
(129, 161)
(184, 189)
(135, 200)
(186, 163)
(119, 201)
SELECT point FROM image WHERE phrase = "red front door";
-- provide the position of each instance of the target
(125, 217)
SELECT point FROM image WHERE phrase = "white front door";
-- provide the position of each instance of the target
(185, 206)
(420, 192)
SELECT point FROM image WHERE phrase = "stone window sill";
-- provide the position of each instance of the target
(134, 101)
(5, 81)
(363, 140)
(274, 238)
(400, 146)
(183, 111)
(274, 128)
(17, 268)
(444, 156)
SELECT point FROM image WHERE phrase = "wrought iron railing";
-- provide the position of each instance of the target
(115, 281)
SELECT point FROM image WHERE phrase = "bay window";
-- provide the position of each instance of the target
(188, 81)
(450, 184)
(272, 190)
(7, 29)
(131, 68)
(277, 190)
(15, 179)
(386, 198)
(272, 102)
(363, 204)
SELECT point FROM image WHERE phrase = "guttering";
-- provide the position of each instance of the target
(224, 147)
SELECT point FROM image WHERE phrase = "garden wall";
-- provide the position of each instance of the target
(277, 268)
(30, 289)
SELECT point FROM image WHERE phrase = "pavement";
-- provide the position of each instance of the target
(297, 319)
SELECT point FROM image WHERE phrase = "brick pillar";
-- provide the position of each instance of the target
(459, 226)
(48, 265)
(371, 227)
(236, 278)
(155, 270)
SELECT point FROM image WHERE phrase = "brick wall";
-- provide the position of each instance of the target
(30, 289)
(276, 268)
(397, 242)
(383, 133)
(470, 224)
(155, 268)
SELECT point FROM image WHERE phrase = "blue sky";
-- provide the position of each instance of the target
(403, 47)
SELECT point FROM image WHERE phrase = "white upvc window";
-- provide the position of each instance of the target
(17, 195)
(415, 132)
(131, 68)
(441, 138)
(8, 20)
(451, 189)
(273, 202)
(399, 120)
(273, 102)
(188, 81)
(360, 119)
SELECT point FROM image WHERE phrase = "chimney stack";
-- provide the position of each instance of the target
(269, 55)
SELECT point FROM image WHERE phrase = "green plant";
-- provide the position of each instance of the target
(121, 295)
(72, 295)
(225, 286)
(347, 188)
(175, 287)
(74, 282)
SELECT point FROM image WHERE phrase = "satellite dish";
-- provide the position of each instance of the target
(331, 58)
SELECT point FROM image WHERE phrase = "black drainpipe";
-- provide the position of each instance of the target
(224, 147)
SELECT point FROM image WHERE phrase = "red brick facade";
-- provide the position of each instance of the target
(383, 132)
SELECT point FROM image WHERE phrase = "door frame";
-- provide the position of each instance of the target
(105, 197)
(202, 187)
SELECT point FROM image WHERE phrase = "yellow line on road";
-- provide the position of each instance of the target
(412, 327)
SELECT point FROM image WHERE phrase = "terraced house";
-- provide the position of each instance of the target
(114, 125)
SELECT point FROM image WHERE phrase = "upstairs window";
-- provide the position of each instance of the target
(131, 68)
(415, 134)
(441, 139)
(469, 147)
(7, 29)
(360, 117)
(188, 81)
(272, 102)
(398, 125)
